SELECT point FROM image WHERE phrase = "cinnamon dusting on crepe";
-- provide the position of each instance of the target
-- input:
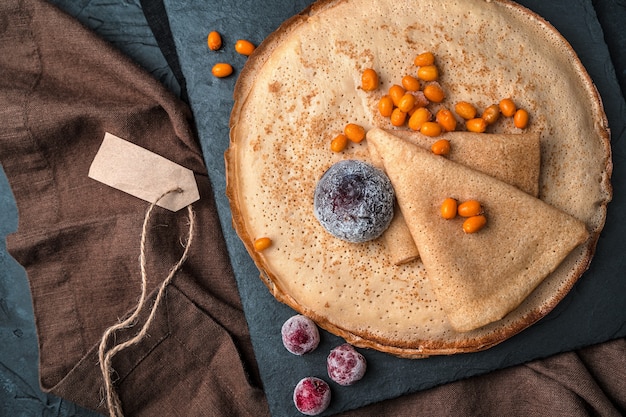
(279, 149)
(478, 279)
(512, 158)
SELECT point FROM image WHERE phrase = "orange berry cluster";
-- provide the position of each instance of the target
(506, 107)
(408, 103)
(351, 133)
(471, 210)
(224, 69)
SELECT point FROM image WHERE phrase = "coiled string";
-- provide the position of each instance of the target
(106, 356)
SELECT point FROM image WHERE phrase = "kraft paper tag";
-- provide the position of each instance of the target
(143, 174)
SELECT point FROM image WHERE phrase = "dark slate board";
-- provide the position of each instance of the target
(595, 311)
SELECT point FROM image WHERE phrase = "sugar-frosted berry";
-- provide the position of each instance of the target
(311, 396)
(300, 335)
(354, 201)
(345, 365)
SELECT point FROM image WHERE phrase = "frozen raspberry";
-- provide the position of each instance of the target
(300, 335)
(345, 365)
(354, 201)
(311, 396)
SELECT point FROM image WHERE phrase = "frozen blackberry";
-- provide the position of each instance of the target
(354, 201)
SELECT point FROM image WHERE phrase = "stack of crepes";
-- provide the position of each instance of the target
(302, 86)
(477, 278)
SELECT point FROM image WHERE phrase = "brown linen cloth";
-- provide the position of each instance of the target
(61, 89)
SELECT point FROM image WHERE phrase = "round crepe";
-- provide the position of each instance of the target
(302, 86)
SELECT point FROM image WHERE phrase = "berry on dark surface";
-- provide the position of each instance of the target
(345, 365)
(311, 396)
(354, 201)
(300, 335)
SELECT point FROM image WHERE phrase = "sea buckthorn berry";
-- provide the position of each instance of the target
(469, 208)
(398, 117)
(385, 106)
(354, 132)
(369, 80)
(507, 107)
(339, 143)
(410, 83)
(491, 114)
(221, 70)
(214, 41)
(476, 125)
(446, 119)
(419, 117)
(424, 59)
(262, 243)
(465, 110)
(474, 224)
(396, 92)
(431, 129)
(434, 93)
(244, 47)
(407, 102)
(448, 208)
(428, 73)
(441, 147)
(520, 119)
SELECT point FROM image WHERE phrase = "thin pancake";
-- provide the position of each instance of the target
(481, 277)
(301, 87)
(512, 158)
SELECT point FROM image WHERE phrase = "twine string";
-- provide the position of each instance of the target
(105, 356)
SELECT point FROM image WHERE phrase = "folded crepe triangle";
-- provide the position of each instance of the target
(477, 278)
(512, 158)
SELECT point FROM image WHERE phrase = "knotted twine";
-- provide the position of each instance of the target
(106, 356)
